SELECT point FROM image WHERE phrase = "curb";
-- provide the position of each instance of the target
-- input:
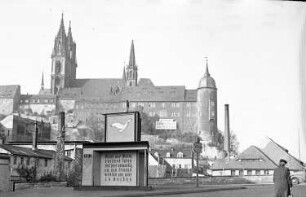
(158, 193)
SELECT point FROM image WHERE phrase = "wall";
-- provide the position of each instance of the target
(4, 173)
(6, 106)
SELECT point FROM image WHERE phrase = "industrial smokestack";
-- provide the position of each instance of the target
(226, 130)
(34, 145)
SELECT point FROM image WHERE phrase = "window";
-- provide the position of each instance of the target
(249, 172)
(167, 154)
(180, 155)
(257, 172)
(21, 160)
(46, 162)
(163, 104)
(28, 161)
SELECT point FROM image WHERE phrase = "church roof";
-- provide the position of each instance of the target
(9, 91)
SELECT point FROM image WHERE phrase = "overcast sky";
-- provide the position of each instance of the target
(252, 48)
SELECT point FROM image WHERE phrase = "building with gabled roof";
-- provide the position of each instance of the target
(277, 152)
(251, 161)
(258, 165)
(20, 156)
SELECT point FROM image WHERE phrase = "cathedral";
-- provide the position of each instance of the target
(177, 108)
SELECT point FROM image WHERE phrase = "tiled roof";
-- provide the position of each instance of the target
(97, 87)
(70, 93)
(9, 91)
(145, 82)
(21, 151)
(277, 152)
(37, 96)
(114, 90)
(157, 93)
(191, 95)
(44, 91)
(252, 158)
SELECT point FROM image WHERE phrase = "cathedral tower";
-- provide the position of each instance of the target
(131, 69)
(207, 107)
(63, 68)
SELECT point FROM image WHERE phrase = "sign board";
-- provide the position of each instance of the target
(197, 147)
(165, 124)
(118, 169)
(122, 127)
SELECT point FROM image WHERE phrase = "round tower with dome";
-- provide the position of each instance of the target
(207, 108)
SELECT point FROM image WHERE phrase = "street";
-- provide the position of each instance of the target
(251, 191)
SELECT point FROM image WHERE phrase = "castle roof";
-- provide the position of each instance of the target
(207, 81)
(115, 90)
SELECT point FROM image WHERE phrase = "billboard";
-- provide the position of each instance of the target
(122, 127)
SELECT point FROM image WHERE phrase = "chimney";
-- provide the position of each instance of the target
(226, 130)
(34, 145)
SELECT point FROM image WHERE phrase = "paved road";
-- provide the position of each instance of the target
(251, 191)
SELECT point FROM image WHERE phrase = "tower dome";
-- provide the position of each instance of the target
(207, 81)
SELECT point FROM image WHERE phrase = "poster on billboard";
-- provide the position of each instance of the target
(165, 124)
(122, 127)
(118, 169)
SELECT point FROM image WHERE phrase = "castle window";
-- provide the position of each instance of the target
(21, 160)
(46, 162)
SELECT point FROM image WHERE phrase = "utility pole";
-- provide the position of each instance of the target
(197, 148)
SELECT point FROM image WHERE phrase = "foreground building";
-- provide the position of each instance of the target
(27, 157)
(257, 165)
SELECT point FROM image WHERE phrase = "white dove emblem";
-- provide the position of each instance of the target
(121, 127)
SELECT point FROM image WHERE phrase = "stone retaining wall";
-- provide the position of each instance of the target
(21, 186)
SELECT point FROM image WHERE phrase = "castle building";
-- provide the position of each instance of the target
(177, 108)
